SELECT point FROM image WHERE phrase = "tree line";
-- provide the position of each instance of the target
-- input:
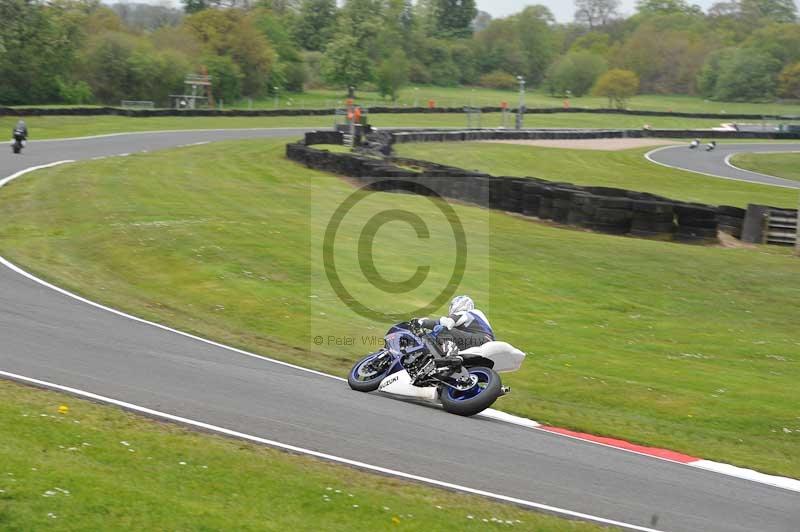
(81, 51)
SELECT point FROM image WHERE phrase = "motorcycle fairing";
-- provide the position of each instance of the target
(505, 356)
(399, 383)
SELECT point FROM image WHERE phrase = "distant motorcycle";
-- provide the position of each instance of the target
(413, 364)
(711, 145)
(18, 142)
(694, 144)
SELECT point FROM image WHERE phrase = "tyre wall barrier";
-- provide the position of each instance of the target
(95, 111)
(403, 137)
(602, 209)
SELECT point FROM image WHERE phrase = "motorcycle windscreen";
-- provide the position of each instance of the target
(400, 384)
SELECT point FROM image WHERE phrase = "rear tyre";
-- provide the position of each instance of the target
(16, 148)
(476, 399)
(367, 373)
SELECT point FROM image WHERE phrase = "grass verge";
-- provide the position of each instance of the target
(684, 347)
(95, 467)
(624, 169)
(53, 127)
(785, 165)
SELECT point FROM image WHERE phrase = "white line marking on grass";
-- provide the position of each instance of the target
(324, 456)
(21, 173)
(649, 157)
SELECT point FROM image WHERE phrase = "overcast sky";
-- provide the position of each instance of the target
(564, 10)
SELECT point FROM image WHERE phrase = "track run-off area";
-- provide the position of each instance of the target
(51, 338)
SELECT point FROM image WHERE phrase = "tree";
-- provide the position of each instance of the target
(666, 52)
(618, 86)
(233, 32)
(392, 75)
(596, 13)
(454, 17)
(576, 72)
(747, 75)
(789, 82)
(667, 7)
(345, 63)
(772, 10)
(315, 23)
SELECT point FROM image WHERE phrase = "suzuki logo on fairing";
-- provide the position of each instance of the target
(390, 381)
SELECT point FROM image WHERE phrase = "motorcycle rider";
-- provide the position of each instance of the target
(711, 145)
(466, 326)
(20, 131)
(694, 144)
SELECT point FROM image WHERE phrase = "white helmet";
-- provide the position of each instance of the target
(461, 304)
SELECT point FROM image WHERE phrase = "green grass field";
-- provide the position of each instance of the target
(419, 95)
(684, 347)
(99, 468)
(625, 169)
(785, 165)
(53, 127)
(480, 97)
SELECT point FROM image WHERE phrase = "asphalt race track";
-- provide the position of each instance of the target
(49, 336)
(715, 163)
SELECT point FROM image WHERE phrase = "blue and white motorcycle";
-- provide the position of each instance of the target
(413, 364)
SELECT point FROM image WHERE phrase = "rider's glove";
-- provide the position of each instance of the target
(448, 322)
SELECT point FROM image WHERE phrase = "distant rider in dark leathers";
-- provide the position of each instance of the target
(20, 132)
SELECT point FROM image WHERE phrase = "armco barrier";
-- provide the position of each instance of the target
(602, 209)
(95, 111)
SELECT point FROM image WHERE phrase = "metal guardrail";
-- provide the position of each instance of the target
(137, 104)
(780, 227)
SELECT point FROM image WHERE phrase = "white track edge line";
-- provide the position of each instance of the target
(649, 154)
(748, 474)
(732, 155)
(324, 456)
(158, 131)
(489, 413)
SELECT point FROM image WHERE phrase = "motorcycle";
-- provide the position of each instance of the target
(711, 146)
(17, 143)
(413, 364)
(694, 144)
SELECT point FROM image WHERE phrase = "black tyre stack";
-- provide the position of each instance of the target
(697, 224)
(611, 215)
(731, 220)
(653, 219)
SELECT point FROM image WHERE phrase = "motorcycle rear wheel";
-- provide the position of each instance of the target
(478, 398)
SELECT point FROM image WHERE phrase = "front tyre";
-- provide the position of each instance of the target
(368, 373)
(481, 396)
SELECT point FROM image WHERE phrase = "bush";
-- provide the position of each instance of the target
(498, 80)
(74, 92)
(618, 86)
(789, 82)
(576, 72)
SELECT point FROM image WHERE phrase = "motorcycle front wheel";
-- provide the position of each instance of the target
(367, 373)
(481, 396)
